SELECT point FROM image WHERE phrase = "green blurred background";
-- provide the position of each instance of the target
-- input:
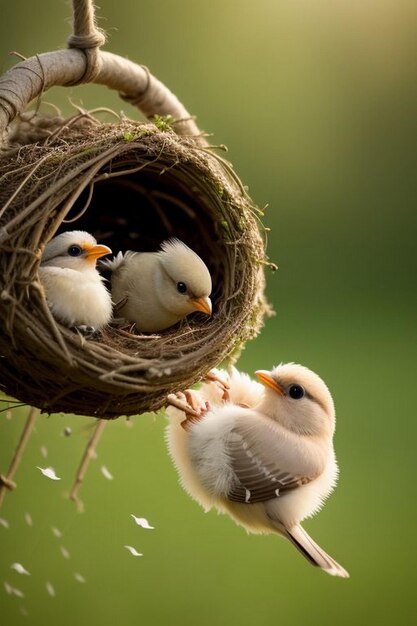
(316, 101)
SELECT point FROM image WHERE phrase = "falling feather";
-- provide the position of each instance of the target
(50, 589)
(20, 569)
(65, 552)
(106, 473)
(79, 578)
(12, 591)
(143, 522)
(49, 472)
(133, 551)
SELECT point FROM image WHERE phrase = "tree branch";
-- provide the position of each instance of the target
(89, 453)
(6, 482)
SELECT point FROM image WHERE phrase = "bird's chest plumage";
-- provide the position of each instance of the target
(76, 297)
(207, 446)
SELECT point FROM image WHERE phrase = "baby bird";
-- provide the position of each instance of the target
(263, 453)
(74, 289)
(158, 289)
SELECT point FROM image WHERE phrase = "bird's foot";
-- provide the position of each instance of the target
(197, 404)
(224, 385)
(89, 332)
(179, 401)
(188, 402)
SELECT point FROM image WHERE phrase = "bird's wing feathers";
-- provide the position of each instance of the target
(257, 479)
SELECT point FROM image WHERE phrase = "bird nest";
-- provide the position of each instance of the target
(132, 185)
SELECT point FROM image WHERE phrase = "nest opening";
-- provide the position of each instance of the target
(132, 186)
(139, 211)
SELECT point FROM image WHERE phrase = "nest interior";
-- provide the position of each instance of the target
(132, 185)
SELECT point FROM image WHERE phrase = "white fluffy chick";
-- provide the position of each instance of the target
(73, 287)
(263, 453)
(158, 289)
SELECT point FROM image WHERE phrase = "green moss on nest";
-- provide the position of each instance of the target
(163, 123)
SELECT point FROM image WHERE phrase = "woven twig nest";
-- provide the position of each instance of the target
(131, 185)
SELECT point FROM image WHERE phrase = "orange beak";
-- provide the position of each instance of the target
(95, 252)
(203, 304)
(266, 379)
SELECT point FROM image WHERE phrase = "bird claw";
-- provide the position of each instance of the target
(192, 400)
(179, 401)
(89, 332)
(187, 402)
(224, 385)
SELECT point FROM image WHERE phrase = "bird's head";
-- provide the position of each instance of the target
(298, 399)
(75, 249)
(185, 282)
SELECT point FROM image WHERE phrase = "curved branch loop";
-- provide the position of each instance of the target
(30, 78)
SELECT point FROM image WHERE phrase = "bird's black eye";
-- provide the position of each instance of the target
(181, 287)
(296, 392)
(75, 251)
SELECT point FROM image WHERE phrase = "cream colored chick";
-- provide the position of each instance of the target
(263, 453)
(158, 289)
(74, 289)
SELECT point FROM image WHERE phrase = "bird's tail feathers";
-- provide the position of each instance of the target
(313, 553)
(114, 263)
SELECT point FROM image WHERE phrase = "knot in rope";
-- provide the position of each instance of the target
(87, 38)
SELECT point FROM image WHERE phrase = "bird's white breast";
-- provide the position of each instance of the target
(207, 449)
(76, 298)
(177, 442)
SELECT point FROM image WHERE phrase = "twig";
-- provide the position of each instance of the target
(89, 453)
(6, 482)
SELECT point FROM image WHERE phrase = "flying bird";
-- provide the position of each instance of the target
(73, 287)
(261, 452)
(158, 289)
